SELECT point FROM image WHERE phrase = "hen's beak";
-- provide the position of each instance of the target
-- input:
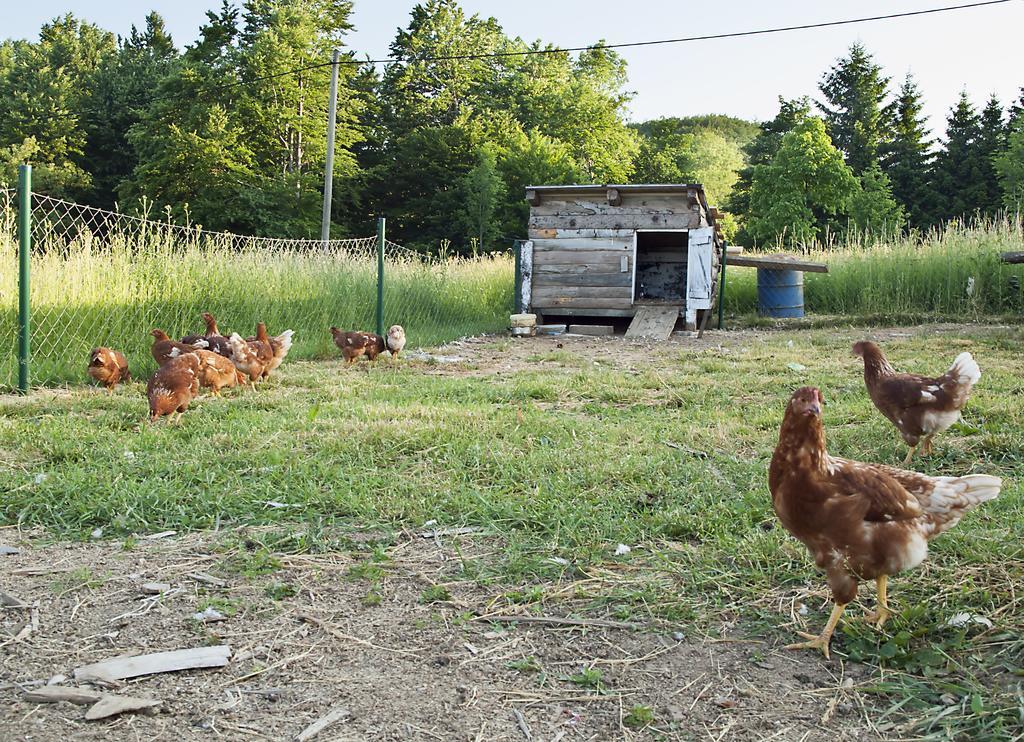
(814, 409)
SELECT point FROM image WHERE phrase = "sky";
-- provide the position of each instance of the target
(977, 50)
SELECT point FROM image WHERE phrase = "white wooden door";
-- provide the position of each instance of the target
(699, 259)
(526, 266)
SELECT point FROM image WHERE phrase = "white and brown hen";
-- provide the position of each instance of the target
(859, 521)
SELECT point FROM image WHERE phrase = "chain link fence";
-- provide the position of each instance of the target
(105, 278)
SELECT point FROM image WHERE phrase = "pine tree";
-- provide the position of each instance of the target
(1016, 114)
(957, 173)
(990, 144)
(906, 157)
(1009, 166)
(854, 91)
(873, 208)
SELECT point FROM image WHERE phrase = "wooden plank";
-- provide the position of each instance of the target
(532, 197)
(592, 329)
(550, 234)
(655, 221)
(1012, 257)
(581, 303)
(542, 280)
(542, 294)
(584, 243)
(567, 269)
(120, 668)
(655, 322)
(629, 203)
(568, 312)
(776, 262)
(606, 258)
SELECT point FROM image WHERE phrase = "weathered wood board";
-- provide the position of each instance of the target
(583, 303)
(590, 278)
(660, 220)
(544, 294)
(775, 262)
(553, 234)
(654, 322)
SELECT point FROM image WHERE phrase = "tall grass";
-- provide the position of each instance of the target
(88, 291)
(952, 274)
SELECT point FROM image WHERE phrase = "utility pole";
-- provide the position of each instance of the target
(332, 116)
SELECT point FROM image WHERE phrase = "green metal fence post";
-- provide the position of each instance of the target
(24, 253)
(517, 249)
(380, 276)
(721, 291)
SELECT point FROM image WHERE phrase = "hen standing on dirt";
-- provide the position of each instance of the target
(919, 407)
(859, 521)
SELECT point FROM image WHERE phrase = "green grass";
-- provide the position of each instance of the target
(560, 463)
(907, 279)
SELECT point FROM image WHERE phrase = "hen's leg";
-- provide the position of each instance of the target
(822, 640)
(910, 455)
(928, 444)
(881, 613)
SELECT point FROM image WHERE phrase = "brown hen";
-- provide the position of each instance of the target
(355, 344)
(859, 521)
(173, 386)
(164, 349)
(919, 406)
(214, 339)
(253, 358)
(108, 367)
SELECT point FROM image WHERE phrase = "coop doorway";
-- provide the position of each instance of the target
(660, 267)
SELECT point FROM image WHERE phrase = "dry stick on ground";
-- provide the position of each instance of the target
(331, 717)
(559, 621)
(521, 722)
(338, 634)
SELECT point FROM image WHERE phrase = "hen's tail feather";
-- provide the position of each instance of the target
(954, 496)
(965, 369)
(285, 343)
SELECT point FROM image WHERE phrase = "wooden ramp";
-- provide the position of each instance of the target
(654, 322)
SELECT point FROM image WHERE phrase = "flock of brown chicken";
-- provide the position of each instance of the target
(216, 362)
(868, 521)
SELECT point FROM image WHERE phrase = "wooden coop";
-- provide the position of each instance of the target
(650, 252)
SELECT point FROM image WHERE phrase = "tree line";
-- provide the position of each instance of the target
(866, 162)
(230, 132)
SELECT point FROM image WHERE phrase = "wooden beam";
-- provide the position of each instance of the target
(614, 197)
(532, 197)
(565, 312)
(1012, 257)
(582, 304)
(590, 278)
(776, 262)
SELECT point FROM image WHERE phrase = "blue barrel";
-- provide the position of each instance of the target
(780, 293)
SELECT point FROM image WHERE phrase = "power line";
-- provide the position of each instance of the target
(686, 39)
(564, 50)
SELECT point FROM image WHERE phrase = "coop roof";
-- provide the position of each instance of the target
(613, 192)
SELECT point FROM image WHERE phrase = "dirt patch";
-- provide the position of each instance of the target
(487, 355)
(396, 640)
